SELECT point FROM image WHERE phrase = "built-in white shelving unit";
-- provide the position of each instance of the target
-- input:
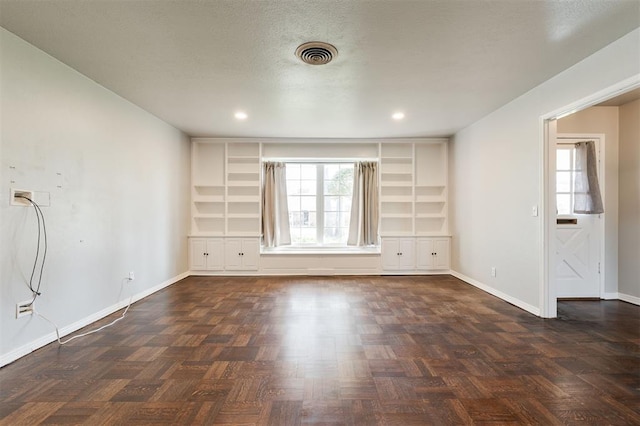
(243, 189)
(413, 189)
(226, 207)
(413, 206)
(396, 189)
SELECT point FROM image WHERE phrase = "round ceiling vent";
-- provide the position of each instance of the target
(316, 52)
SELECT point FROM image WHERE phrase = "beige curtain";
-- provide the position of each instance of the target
(363, 227)
(275, 212)
(587, 197)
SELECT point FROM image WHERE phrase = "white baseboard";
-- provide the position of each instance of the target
(609, 296)
(628, 298)
(51, 337)
(517, 302)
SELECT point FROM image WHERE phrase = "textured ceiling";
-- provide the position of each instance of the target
(444, 63)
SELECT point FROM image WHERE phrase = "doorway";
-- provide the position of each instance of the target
(549, 244)
(578, 237)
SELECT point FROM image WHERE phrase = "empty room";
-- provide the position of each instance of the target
(320, 212)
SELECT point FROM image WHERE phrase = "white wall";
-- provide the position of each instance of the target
(118, 180)
(603, 120)
(629, 213)
(496, 176)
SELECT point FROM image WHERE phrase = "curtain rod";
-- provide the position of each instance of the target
(316, 160)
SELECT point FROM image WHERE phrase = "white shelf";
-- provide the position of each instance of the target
(209, 199)
(396, 183)
(243, 199)
(253, 183)
(243, 216)
(209, 216)
(396, 234)
(397, 215)
(429, 199)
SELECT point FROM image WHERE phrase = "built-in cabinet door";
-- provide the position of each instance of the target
(441, 250)
(424, 253)
(241, 254)
(432, 253)
(406, 260)
(206, 254)
(398, 254)
(250, 254)
(197, 254)
(215, 254)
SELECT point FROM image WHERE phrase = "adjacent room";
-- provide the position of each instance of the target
(323, 212)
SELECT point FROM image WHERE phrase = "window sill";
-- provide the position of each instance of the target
(341, 251)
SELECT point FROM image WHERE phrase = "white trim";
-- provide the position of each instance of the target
(51, 337)
(319, 160)
(605, 94)
(548, 306)
(320, 140)
(609, 296)
(629, 298)
(326, 250)
(510, 299)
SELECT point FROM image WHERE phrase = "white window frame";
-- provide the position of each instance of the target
(320, 199)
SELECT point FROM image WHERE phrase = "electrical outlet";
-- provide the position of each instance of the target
(24, 308)
(132, 276)
(17, 200)
(493, 271)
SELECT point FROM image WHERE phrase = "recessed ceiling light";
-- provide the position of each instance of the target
(398, 115)
(241, 115)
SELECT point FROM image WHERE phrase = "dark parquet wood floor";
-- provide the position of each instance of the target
(330, 351)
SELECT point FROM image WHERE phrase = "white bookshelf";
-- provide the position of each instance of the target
(431, 189)
(243, 189)
(413, 189)
(207, 189)
(396, 189)
(225, 191)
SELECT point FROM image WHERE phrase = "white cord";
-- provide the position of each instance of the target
(83, 334)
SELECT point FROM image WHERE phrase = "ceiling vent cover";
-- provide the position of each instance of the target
(316, 52)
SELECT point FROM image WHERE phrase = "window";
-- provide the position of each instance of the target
(319, 198)
(565, 178)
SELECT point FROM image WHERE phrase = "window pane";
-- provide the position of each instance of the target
(335, 235)
(331, 204)
(308, 187)
(338, 179)
(563, 159)
(563, 203)
(563, 181)
(308, 236)
(345, 218)
(308, 203)
(293, 187)
(294, 219)
(346, 179)
(293, 171)
(308, 171)
(331, 171)
(345, 203)
(331, 220)
(293, 203)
